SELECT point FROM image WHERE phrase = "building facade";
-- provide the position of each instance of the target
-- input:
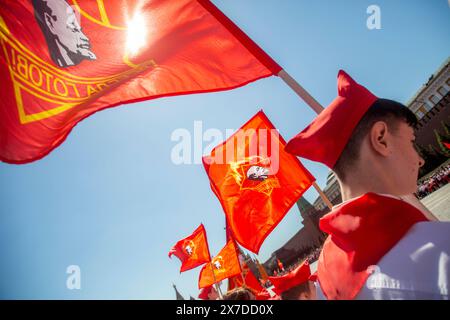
(431, 105)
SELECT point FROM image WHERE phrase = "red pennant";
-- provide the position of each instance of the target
(193, 250)
(224, 265)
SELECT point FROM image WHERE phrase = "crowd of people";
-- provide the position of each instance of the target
(432, 183)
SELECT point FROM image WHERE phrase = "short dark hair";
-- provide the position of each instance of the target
(389, 111)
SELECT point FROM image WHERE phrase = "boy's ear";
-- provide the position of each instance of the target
(379, 138)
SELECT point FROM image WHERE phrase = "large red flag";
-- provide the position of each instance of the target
(224, 265)
(61, 61)
(255, 180)
(193, 250)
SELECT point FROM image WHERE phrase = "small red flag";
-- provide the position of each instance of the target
(73, 58)
(255, 180)
(224, 265)
(294, 278)
(193, 250)
(280, 265)
(246, 279)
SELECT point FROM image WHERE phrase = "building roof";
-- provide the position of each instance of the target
(434, 76)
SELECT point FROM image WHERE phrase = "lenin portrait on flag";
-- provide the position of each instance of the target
(67, 44)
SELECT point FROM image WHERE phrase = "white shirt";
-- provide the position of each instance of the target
(417, 267)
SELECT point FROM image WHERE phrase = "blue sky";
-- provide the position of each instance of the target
(111, 201)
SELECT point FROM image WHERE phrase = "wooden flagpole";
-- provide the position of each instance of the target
(313, 104)
(215, 283)
(300, 91)
(323, 196)
(240, 264)
(260, 266)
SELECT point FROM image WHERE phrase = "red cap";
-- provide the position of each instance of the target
(294, 278)
(326, 137)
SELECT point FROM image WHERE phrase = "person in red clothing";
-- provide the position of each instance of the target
(379, 245)
(208, 293)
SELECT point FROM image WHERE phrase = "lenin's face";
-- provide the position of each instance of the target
(67, 29)
(257, 173)
(64, 27)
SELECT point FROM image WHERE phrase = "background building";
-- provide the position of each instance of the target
(431, 106)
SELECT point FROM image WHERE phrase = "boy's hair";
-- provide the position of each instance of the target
(240, 293)
(389, 111)
(294, 292)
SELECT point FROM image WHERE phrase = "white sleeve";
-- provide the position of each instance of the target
(417, 267)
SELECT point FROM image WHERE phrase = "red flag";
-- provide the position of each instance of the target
(256, 181)
(280, 265)
(294, 278)
(75, 57)
(193, 250)
(225, 265)
(246, 279)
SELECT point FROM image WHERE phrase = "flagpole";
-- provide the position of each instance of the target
(243, 279)
(215, 283)
(313, 104)
(300, 91)
(240, 264)
(260, 266)
(219, 291)
(323, 196)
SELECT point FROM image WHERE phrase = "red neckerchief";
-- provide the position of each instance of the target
(360, 232)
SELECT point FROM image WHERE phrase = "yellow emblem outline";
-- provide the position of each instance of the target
(7, 38)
